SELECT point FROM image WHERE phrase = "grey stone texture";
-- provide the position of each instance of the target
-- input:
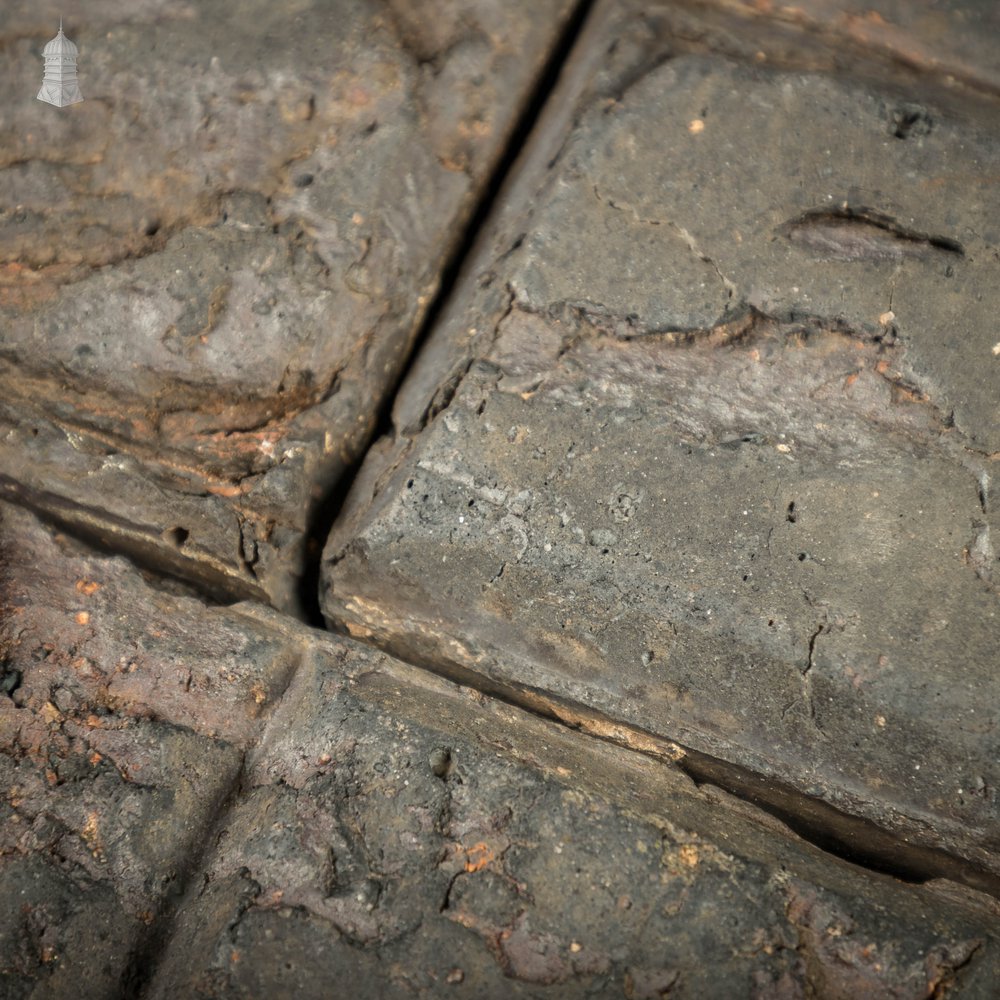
(705, 447)
(213, 268)
(955, 39)
(666, 608)
(789, 195)
(203, 801)
(407, 837)
(124, 714)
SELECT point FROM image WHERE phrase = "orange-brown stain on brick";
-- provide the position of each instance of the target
(478, 856)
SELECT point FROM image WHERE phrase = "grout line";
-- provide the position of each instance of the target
(328, 508)
(110, 535)
(146, 957)
(846, 836)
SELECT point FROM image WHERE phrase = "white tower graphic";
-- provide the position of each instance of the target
(60, 86)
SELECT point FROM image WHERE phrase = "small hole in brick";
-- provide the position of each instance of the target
(441, 762)
(177, 536)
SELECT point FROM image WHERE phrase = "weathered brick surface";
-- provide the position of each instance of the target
(699, 460)
(123, 717)
(415, 839)
(391, 830)
(953, 39)
(213, 268)
(710, 439)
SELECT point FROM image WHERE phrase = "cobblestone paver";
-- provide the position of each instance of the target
(418, 838)
(389, 828)
(123, 720)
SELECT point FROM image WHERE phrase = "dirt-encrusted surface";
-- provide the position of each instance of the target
(212, 270)
(124, 714)
(382, 825)
(715, 454)
(661, 617)
(421, 838)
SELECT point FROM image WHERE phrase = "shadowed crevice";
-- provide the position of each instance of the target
(328, 507)
(863, 234)
(844, 835)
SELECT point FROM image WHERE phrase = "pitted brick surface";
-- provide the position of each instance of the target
(123, 718)
(706, 447)
(425, 841)
(214, 267)
(668, 604)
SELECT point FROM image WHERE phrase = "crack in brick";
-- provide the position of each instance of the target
(688, 240)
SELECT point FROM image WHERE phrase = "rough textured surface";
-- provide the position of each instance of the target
(180, 820)
(690, 500)
(423, 841)
(952, 39)
(722, 189)
(721, 465)
(212, 270)
(124, 711)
